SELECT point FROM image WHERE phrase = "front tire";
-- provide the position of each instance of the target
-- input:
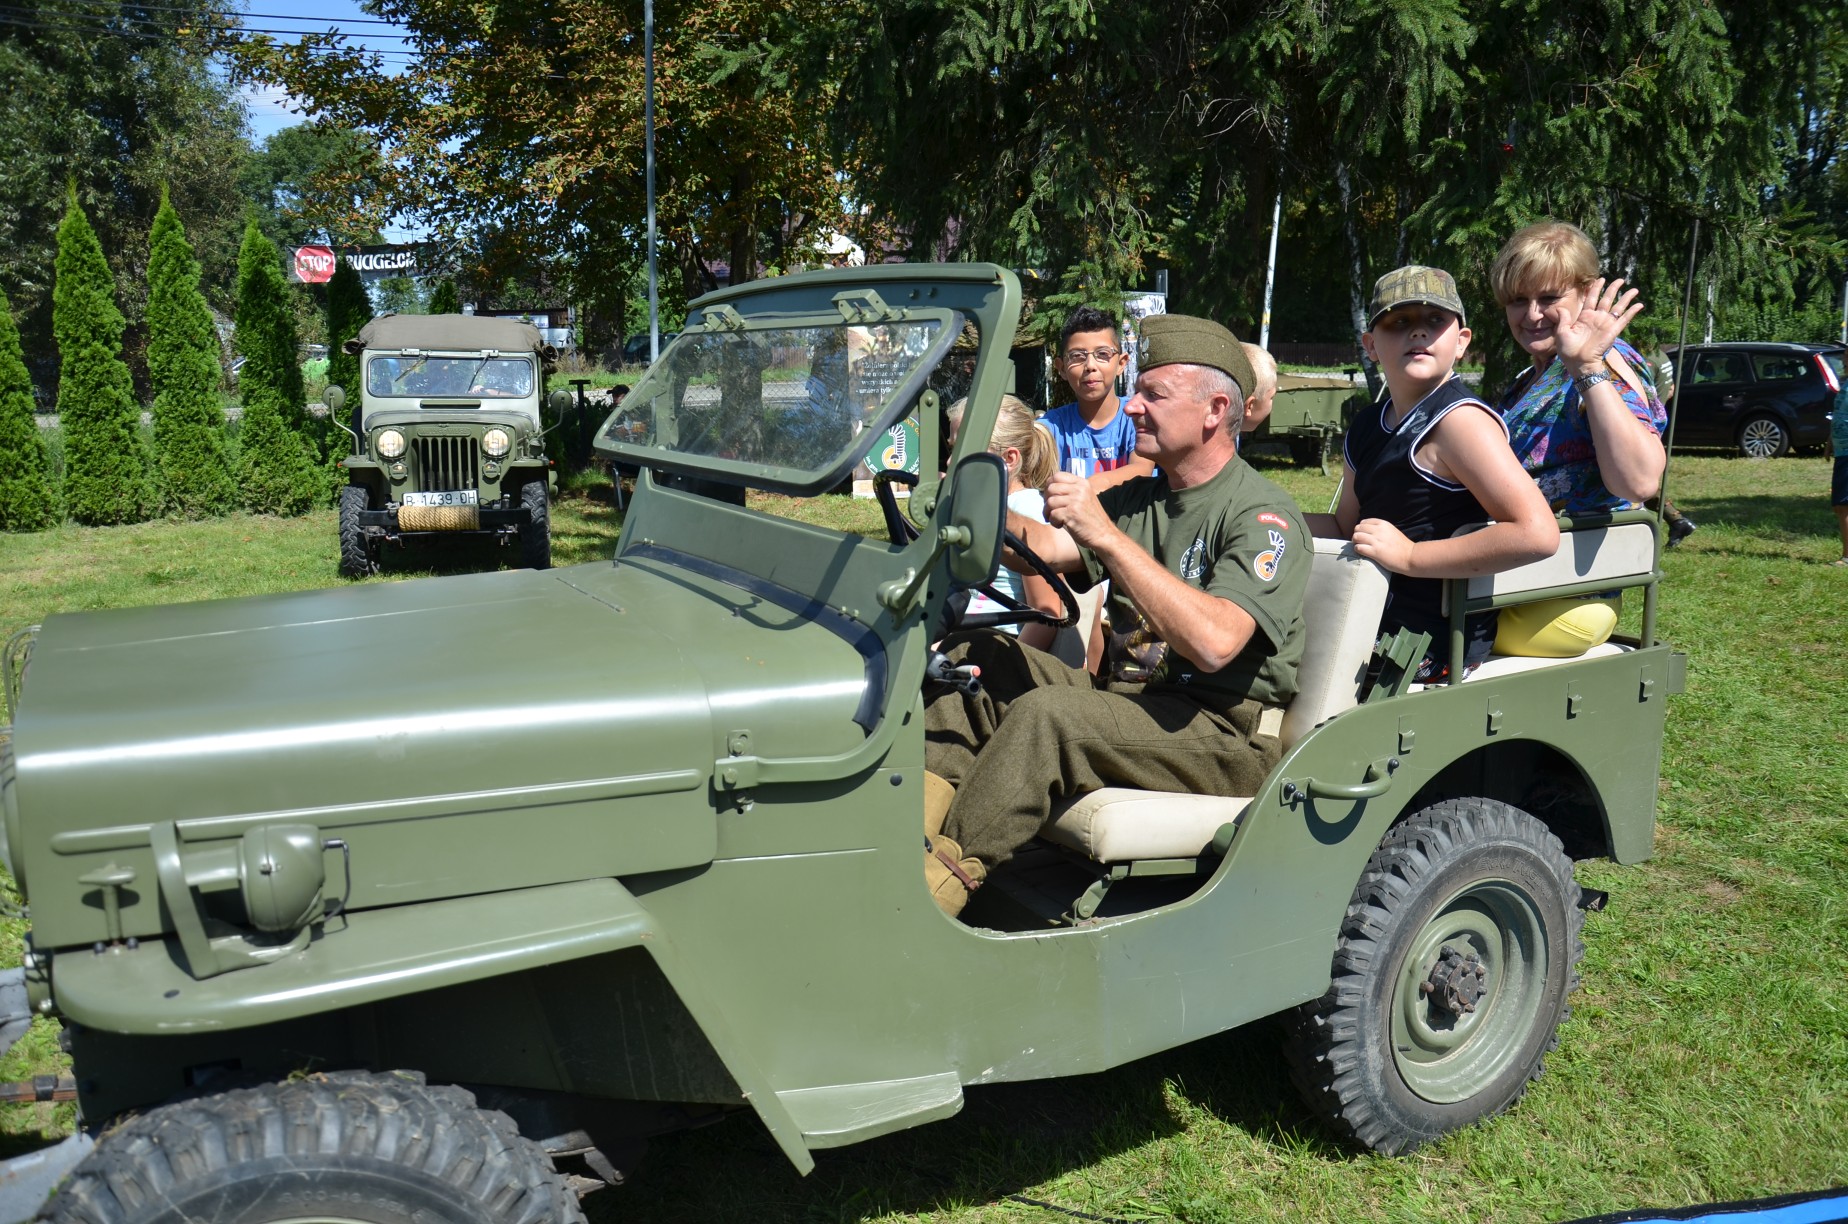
(355, 554)
(355, 1147)
(536, 532)
(1459, 949)
(1763, 437)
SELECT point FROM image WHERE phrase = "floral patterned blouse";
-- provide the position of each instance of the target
(1552, 438)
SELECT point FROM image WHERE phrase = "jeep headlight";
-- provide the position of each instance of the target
(391, 444)
(496, 443)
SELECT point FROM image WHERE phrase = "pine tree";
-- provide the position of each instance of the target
(348, 310)
(106, 476)
(444, 299)
(28, 502)
(190, 445)
(275, 472)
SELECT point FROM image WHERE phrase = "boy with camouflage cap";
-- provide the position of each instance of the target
(1207, 563)
(1430, 459)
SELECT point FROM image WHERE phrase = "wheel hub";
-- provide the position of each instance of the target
(1457, 981)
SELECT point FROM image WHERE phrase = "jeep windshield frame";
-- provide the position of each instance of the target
(783, 400)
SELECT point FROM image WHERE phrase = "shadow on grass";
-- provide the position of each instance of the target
(1008, 1139)
(1769, 514)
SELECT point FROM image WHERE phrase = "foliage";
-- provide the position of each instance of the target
(123, 99)
(444, 299)
(401, 295)
(190, 446)
(106, 478)
(28, 500)
(516, 132)
(278, 458)
(348, 310)
(315, 182)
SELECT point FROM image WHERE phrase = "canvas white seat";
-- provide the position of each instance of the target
(1341, 621)
(1617, 554)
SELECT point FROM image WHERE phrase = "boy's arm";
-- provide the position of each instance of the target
(1470, 448)
(1137, 466)
(1340, 524)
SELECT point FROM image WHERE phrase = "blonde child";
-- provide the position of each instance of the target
(1031, 456)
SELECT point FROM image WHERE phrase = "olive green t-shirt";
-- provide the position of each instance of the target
(1238, 536)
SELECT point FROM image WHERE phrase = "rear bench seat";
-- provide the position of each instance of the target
(1341, 618)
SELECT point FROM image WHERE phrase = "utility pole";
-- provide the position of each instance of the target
(654, 295)
(1270, 272)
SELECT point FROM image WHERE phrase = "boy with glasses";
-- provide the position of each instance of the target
(1096, 438)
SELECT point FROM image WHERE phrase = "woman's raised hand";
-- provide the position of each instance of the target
(1603, 312)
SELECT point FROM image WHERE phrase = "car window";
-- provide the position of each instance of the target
(1838, 361)
(462, 377)
(1720, 367)
(1778, 367)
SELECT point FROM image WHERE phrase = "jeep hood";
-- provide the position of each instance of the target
(564, 723)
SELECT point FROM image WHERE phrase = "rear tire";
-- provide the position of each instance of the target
(1763, 437)
(1450, 980)
(536, 532)
(355, 552)
(355, 1147)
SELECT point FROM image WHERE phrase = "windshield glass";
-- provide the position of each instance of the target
(464, 377)
(795, 397)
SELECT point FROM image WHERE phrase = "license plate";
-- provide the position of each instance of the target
(464, 497)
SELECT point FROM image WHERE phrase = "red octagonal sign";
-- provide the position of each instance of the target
(314, 264)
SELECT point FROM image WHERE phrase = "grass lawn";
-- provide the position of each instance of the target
(1707, 1053)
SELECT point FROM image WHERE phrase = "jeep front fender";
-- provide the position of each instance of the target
(380, 954)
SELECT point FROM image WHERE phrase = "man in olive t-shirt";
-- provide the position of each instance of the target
(1207, 563)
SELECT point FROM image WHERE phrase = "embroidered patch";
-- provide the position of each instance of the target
(1275, 520)
(1264, 565)
(1193, 561)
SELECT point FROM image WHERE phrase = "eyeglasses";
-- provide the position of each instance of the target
(1103, 356)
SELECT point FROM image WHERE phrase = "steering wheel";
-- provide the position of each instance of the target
(901, 531)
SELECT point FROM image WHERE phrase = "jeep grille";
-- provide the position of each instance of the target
(448, 464)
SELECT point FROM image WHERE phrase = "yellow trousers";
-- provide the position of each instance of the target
(1556, 628)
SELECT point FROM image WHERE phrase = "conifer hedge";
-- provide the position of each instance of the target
(348, 310)
(28, 499)
(444, 299)
(275, 472)
(190, 444)
(106, 464)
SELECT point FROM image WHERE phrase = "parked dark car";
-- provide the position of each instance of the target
(635, 352)
(1763, 398)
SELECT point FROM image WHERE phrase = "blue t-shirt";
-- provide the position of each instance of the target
(1109, 446)
(1839, 422)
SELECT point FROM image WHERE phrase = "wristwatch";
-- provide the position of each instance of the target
(1585, 382)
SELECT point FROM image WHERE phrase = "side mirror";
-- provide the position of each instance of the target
(334, 398)
(559, 401)
(976, 518)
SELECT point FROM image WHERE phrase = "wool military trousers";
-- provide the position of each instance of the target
(1040, 733)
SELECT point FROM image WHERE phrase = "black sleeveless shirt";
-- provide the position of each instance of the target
(1389, 485)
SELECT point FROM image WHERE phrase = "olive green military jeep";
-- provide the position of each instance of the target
(637, 842)
(447, 437)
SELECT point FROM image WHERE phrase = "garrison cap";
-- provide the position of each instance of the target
(1167, 339)
(1415, 285)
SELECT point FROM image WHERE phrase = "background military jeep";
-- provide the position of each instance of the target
(447, 436)
(453, 956)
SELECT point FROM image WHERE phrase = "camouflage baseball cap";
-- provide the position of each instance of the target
(1168, 339)
(1415, 285)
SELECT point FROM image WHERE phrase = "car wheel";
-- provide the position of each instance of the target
(1460, 946)
(1763, 437)
(356, 559)
(536, 532)
(353, 1148)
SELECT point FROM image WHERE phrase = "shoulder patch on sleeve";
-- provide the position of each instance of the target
(1275, 520)
(1264, 565)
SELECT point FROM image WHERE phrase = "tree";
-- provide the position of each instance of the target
(190, 445)
(105, 460)
(316, 182)
(444, 299)
(348, 310)
(516, 134)
(276, 472)
(28, 501)
(122, 99)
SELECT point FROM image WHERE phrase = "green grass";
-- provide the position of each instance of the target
(1706, 1057)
